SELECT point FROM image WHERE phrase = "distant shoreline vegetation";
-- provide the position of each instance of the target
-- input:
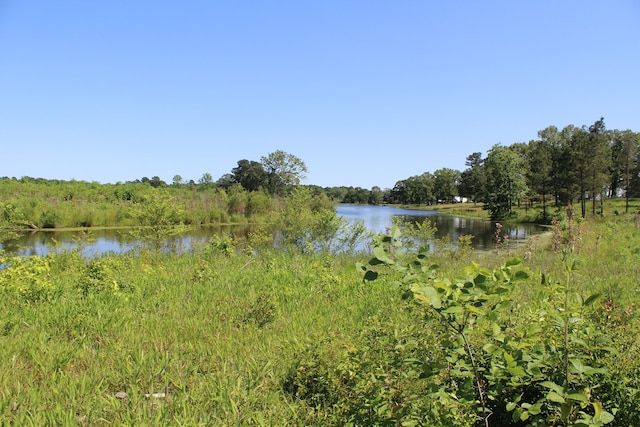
(580, 168)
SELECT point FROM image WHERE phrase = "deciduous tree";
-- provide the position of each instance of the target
(283, 170)
(251, 175)
(473, 179)
(445, 184)
(505, 180)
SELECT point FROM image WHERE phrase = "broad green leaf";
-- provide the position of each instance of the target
(489, 348)
(578, 365)
(375, 261)
(496, 330)
(370, 276)
(597, 407)
(395, 232)
(553, 386)
(509, 359)
(382, 255)
(479, 279)
(516, 371)
(454, 310)
(601, 415)
(591, 298)
(534, 329)
(535, 409)
(555, 397)
(429, 295)
(516, 415)
(578, 397)
(511, 406)
(513, 262)
(474, 309)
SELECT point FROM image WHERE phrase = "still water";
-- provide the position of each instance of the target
(375, 218)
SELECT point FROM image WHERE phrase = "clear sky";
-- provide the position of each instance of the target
(365, 92)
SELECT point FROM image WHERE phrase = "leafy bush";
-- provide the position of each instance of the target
(29, 277)
(261, 311)
(49, 218)
(102, 275)
(540, 368)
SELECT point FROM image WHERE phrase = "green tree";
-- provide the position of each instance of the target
(206, 179)
(473, 179)
(505, 181)
(539, 176)
(588, 158)
(420, 189)
(415, 190)
(357, 195)
(598, 162)
(251, 175)
(284, 171)
(445, 184)
(376, 196)
(566, 182)
(156, 182)
(159, 219)
(306, 222)
(398, 195)
(625, 149)
(226, 181)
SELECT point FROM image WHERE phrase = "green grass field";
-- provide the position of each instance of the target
(279, 337)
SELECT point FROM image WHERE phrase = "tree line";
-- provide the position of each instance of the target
(275, 173)
(562, 167)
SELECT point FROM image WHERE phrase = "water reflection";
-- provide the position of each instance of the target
(102, 241)
(377, 218)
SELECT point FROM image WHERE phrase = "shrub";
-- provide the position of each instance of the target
(29, 278)
(540, 368)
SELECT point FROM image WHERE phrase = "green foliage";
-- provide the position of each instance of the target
(445, 182)
(159, 219)
(417, 235)
(28, 278)
(310, 223)
(284, 171)
(512, 371)
(383, 377)
(103, 275)
(505, 181)
(261, 311)
(223, 244)
(269, 337)
(59, 204)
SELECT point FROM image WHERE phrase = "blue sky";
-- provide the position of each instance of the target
(366, 93)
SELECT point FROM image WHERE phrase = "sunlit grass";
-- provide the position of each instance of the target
(207, 338)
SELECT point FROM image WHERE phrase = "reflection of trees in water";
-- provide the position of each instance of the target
(375, 219)
(483, 231)
(118, 240)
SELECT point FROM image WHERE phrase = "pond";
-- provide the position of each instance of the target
(375, 218)
(101, 241)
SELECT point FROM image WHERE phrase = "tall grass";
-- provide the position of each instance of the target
(216, 337)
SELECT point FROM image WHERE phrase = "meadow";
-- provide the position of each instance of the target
(227, 334)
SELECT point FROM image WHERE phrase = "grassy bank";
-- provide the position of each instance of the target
(532, 213)
(215, 337)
